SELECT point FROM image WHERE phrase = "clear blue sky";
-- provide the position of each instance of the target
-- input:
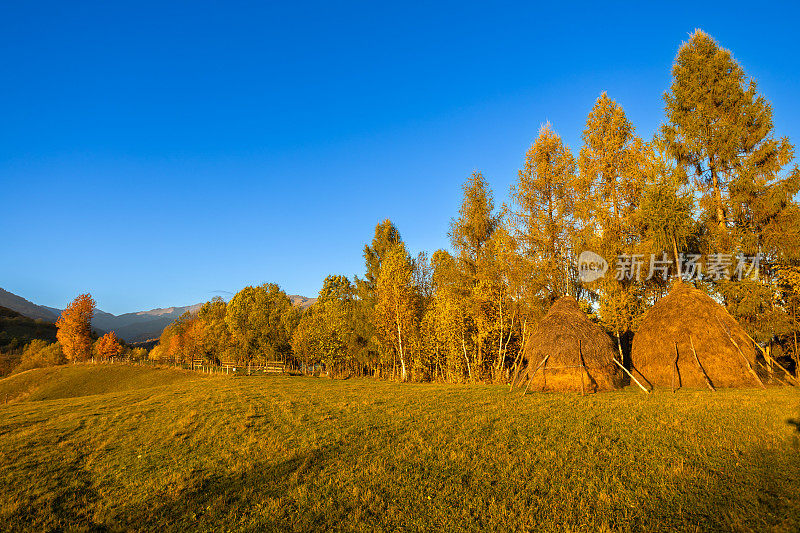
(154, 153)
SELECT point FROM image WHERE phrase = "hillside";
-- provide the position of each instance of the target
(71, 381)
(292, 453)
(17, 330)
(301, 301)
(14, 325)
(141, 325)
(19, 304)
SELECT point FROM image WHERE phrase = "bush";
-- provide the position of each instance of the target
(138, 354)
(39, 353)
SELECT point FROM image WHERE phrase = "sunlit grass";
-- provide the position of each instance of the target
(308, 453)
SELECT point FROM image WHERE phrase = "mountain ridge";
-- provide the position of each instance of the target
(137, 326)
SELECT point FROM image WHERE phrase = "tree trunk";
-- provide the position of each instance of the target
(518, 359)
(402, 356)
(464, 347)
(796, 358)
(500, 342)
(677, 259)
(504, 348)
(718, 199)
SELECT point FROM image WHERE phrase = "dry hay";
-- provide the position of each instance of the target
(689, 316)
(564, 334)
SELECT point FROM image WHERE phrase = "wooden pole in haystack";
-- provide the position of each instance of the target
(528, 384)
(517, 366)
(631, 376)
(705, 376)
(583, 367)
(675, 366)
(530, 379)
(796, 358)
(769, 357)
(746, 360)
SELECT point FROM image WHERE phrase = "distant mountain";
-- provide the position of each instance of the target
(131, 327)
(140, 326)
(301, 301)
(22, 306)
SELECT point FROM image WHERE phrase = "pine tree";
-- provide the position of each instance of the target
(373, 350)
(386, 236)
(665, 215)
(610, 183)
(610, 178)
(721, 130)
(544, 214)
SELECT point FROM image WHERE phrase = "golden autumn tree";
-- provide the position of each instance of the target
(385, 237)
(396, 312)
(612, 166)
(75, 328)
(482, 287)
(610, 175)
(214, 342)
(449, 320)
(544, 214)
(502, 278)
(327, 331)
(261, 321)
(108, 346)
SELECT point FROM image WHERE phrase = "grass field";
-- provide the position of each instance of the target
(171, 450)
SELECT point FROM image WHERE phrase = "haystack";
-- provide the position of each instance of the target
(688, 340)
(568, 352)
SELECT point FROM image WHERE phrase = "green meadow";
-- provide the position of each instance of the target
(116, 447)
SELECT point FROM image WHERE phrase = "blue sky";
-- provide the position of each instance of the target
(156, 153)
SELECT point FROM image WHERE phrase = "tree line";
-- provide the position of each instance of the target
(713, 184)
(75, 341)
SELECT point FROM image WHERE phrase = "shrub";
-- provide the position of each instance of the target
(39, 353)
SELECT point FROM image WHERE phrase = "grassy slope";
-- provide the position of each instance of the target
(71, 381)
(305, 453)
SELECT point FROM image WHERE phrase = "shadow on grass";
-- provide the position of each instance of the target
(293, 494)
(257, 496)
(65, 506)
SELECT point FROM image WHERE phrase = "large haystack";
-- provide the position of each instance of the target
(688, 316)
(575, 346)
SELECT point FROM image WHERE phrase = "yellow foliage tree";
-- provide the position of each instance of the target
(612, 166)
(544, 218)
(75, 328)
(395, 312)
(108, 346)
